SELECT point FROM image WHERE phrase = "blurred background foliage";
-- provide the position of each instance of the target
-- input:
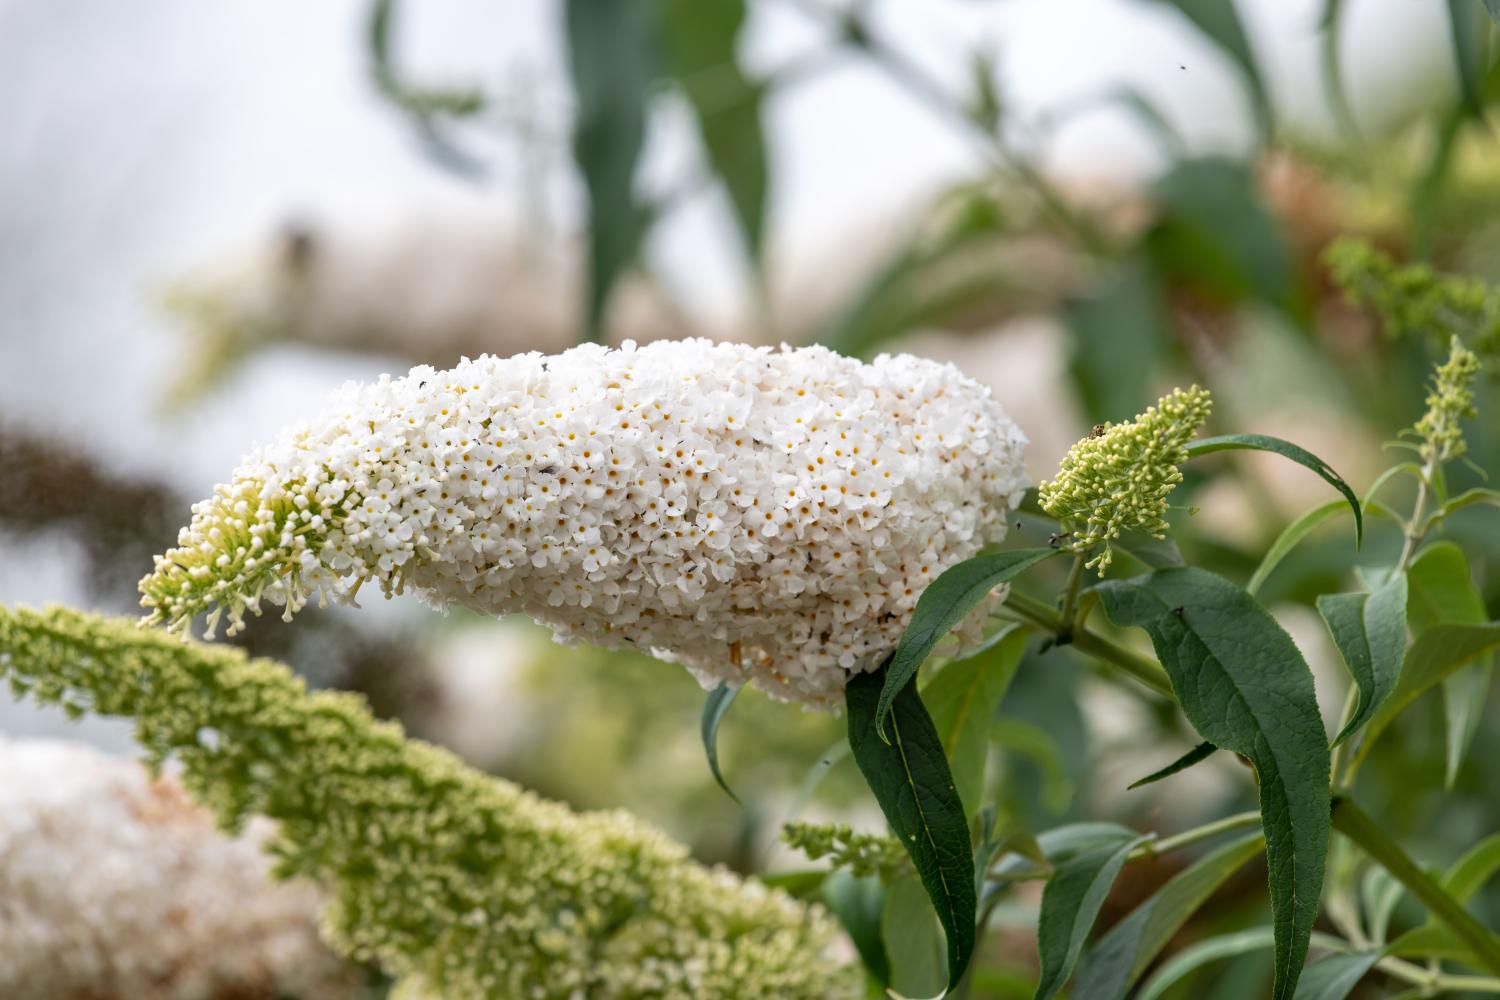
(1079, 300)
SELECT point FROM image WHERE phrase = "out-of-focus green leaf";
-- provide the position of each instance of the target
(1199, 753)
(1287, 450)
(419, 101)
(1079, 884)
(1370, 633)
(700, 40)
(715, 707)
(1468, 28)
(1216, 234)
(1220, 21)
(1492, 7)
(1289, 539)
(1435, 654)
(963, 698)
(1244, 686)
(1194, 957)
(858, 904)
(1153, 553)
(1442, 590)
(945, 603)
(1470, 872)
(912, 782)
(1036, 745)
(1119, 338)
(1124, 953)
(1334, 977)
(611, 56)
(912, 941)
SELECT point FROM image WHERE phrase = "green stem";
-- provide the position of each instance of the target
(1356, 824)
(1144, 669)
(1416, 529)
(1070, 593)
(1436, 979)
(1187, 838)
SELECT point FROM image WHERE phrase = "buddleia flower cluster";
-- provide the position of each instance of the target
(755, 514)
(115, 884)
(863, 854)
(461, 885)
(1450, 402)
(1119, 477)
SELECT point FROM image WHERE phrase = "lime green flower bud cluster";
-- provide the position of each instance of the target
(1449, 403)
(1118, 478)
(1414, 298)
(862, 853)
(461, 885)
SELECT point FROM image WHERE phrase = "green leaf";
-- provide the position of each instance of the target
(1217, 237)
(1464, 878)
(945, 603)
(1118, 342)
(1289, 539)
(1201, 752)
(858, 903)
(611, 60)
(715, 707)
(1219, 20)
(1492, 7)
(1435, 654)
(911, 781)
(1442, 590)
(1037, 745)
(1303, 457)
(1336, 976)
(1128, 949)
(1153, 553)
(1245, 687)
(962, 699)
(1469, 498)
(1469, 31)
(1196, 956)
(912, 941)
(700, 39)
(422, 103)
(1370, 633)
(1080, 882)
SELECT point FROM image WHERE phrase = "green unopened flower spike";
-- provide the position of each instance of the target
(1449, 403)
(461, 885)
(1118, 478)
(863, 854)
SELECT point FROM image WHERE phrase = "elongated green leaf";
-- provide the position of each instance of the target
(1123, 954)
(715, 707)
(1442, 591)
(1119, 340)
(1245, 687)
(1194, 957)
(1201, 752)
(1303, 457)
(1478, 495)
(963, 698)
(420, 102)
(1464, 878)
(1289, 539)
(1037, 745)
(1220, 21)
(610, 56)
(701, 40)
(1080, 882)
(911, 781)
(1335, 976)
(858, 903)
(943, 605)
(1469, 30)
(913, 941)
(1434, 655)
(1370, 633)
(1492, 7)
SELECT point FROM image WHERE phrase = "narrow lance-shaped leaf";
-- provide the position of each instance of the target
(1442, 591)
(1289, 539)
(1080, 882)
(1370, 633)
(1298, 454)
(1335, 977)
(858, 904)
(610, 57)
(911, 781)
(1244, 686)
(962, 699)
(943, 605)
(1220, 21)
(1201, 752)
(1468, 28)
(715, 707)
(1123, 954)
(1194, 957)
(1464, 878)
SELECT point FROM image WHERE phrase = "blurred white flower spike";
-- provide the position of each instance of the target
(754, 514)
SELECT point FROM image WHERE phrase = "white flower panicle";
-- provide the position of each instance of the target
(755, 514)
(115, 884)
